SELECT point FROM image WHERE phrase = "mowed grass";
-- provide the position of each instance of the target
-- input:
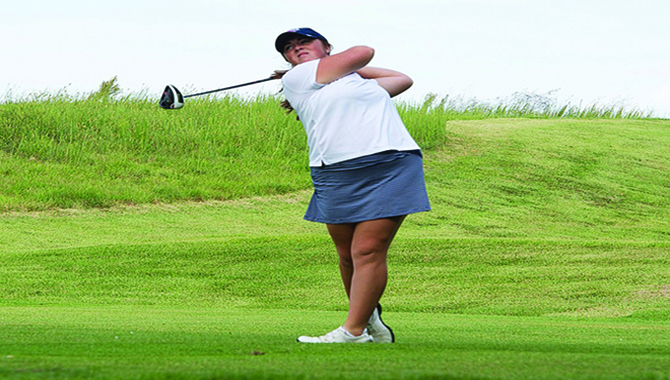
(213, 343)
(456, 276)
(545, 257)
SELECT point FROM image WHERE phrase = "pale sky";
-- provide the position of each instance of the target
(589, 51)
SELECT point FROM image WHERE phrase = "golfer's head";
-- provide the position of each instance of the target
(301, 45)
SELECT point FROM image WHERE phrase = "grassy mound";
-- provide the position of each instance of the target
(60, 152)
(545, 255)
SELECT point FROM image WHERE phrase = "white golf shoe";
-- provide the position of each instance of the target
(380, 332)
(339, 335)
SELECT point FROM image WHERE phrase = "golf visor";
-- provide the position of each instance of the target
(285, 37)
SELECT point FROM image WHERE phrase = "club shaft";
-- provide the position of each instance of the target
(230, 88)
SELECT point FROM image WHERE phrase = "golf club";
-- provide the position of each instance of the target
(173, 99)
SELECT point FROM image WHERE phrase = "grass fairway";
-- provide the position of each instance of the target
(545, 257)
(215, 343)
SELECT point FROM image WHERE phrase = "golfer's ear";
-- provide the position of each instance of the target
(338, 65)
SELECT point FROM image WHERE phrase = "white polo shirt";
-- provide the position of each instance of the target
(348, 118)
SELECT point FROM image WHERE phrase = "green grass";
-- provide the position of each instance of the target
(545, 255)
(213, 343)
(492, 277)
(554, 179)
(87, 153)
(66, 152)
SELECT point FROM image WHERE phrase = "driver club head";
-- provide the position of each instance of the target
(172, 99)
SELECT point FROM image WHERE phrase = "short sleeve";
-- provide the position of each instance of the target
(302, 79)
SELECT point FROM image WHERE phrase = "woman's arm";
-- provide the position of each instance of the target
(392, 81)
(336, 66)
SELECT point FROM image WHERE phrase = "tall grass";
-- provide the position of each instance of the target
(59, 152)
(525, 105)
(101, 149)
(59, 130)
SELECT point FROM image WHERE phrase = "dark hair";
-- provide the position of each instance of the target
(278, 74)
(288, 107)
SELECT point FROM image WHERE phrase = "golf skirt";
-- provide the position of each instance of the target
(377, 186)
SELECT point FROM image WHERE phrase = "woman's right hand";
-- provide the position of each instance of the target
(336, 66)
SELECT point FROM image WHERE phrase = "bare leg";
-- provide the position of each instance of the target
(342, 235)
(362, 249)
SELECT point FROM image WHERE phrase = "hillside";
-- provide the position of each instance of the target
(170, 255)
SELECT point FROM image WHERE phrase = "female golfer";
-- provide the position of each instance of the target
(366, 169)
